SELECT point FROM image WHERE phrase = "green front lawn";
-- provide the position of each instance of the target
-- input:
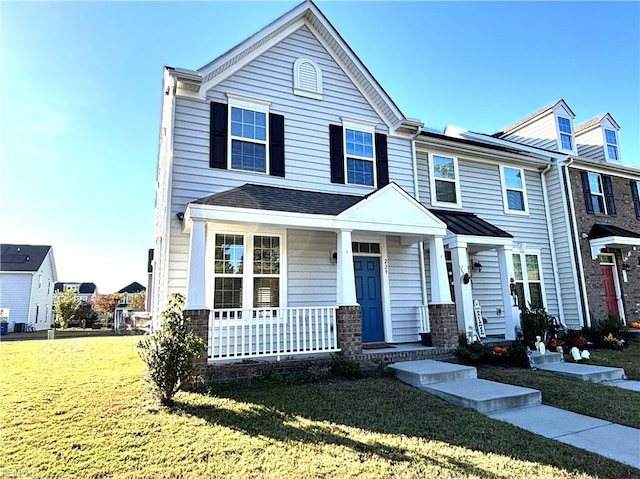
(78, 408)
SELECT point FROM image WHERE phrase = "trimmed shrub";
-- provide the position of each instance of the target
(535, 322)
(169, 353)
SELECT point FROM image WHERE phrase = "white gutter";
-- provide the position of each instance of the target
(578, 251)
(416, 193)
(552, 247)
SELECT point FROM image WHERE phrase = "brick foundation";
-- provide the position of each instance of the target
(444, 325)
(349, 323)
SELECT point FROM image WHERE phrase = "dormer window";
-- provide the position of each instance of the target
(611, 144)
(564, 129)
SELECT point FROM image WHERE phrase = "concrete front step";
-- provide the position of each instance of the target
(427, 371)
(585, 372)
(547, 358)
(484, 396)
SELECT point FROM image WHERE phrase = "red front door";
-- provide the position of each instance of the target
(609, 289)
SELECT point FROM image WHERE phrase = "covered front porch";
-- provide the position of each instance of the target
(284, 273)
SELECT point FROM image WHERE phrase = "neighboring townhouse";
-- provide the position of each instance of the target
(286, 202)
(27, 276)
(595, 212)
(498, 247)
(85, 292)
(124, 308)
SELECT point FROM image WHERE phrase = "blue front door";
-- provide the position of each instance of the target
(369, 295)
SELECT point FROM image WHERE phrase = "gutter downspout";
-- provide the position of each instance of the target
(552, 247)
(575, 244)
(416, 193)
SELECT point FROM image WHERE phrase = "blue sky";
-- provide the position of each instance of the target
(81, 90)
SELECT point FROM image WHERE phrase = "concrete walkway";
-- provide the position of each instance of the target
(521, 407)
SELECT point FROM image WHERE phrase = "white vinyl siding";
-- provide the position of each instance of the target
(541, 133)
(589, 143)
(307, 123)
(15, 291)
(482, 189)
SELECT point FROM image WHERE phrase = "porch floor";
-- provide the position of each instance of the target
(404, 352)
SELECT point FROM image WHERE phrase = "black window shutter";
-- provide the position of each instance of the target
(587, 192)
(218, 136)
(336, 154)
(636, 199)
(382, 161)
(608, 195)
(276, 145)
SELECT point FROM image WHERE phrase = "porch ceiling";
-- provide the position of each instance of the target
(388, 210)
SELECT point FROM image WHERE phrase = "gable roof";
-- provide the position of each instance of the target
(309, 15)
(134, 287)
(273, 198)
(542, 111)
(22, 257)
(83, 288)
(604, 230)
(594, 122)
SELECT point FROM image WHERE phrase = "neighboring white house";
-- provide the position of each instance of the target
(85, 292)
(124, 310)
(27, 278)
(286, 198)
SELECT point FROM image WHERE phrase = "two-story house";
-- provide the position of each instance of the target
(595, 212)
(84, 292)
(27, 277)
(286, 200)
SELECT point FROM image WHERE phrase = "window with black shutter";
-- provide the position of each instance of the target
(635, 196)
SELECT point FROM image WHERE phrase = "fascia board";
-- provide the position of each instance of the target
(599, 244)
(453, 240)
(624, 171)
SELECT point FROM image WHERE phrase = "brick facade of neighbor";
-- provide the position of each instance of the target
(349, 323)
(625, 218)
(444, 325)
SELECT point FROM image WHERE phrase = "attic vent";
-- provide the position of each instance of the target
(307, 79)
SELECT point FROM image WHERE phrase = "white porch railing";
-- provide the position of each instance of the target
(423, 314)
(271, 332)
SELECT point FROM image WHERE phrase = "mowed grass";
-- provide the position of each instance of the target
(78, 408)
(598, 400)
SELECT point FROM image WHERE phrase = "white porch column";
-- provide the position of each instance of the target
(511, 312)
(440, 293)
(196, 266)
(463, 292)
(346, 287)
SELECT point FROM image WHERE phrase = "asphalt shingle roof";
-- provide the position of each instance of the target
(461, 223)
(22, 257)
(602, 230)
(282, 199)
(134, 287)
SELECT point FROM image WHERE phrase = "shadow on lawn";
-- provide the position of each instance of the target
(385, 406)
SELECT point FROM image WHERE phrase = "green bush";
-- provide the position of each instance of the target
(535, 322)
(169, 353)
(347, 368)
(472, 353)
(610, 325)
(518, 355)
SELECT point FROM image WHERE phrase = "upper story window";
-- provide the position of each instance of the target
(598, 193)
(246, 136)
(514, 193)
(307, 79)
(358, 155)
(635, 196)
(566, 135)
(444, 180)
(611, 143)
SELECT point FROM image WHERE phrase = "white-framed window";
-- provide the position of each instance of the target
(611, 144)
(527, 271)
(359, 148)
(39, 281)
(444, 180)
(307, 79)
(596, 192)
(247, 277)
(514, 191)
(248, 134)
(566, 133)
(69, 287)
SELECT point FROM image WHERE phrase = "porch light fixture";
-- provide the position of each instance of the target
(180, 216)
(477, 267)
(626, 266)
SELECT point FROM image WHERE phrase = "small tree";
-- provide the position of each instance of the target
(169, 353)
(85, 315)
(137, 300)
(106, 304)
(65, 307)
